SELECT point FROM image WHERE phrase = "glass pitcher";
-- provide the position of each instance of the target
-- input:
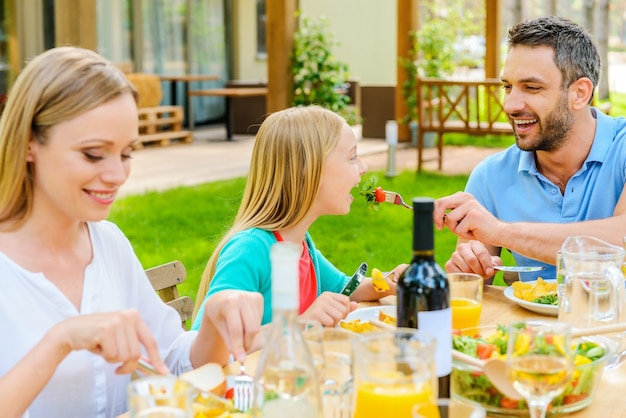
(393, 371)
(593, 284)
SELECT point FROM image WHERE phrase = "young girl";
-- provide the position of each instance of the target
(76, 307)
(304, 165)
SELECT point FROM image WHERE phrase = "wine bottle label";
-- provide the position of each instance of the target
(438, 324)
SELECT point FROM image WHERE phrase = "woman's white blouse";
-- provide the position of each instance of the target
(84, 385)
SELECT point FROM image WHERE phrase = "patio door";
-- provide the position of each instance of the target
(169, 37)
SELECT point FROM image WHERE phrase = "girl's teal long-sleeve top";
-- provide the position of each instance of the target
(244, 264)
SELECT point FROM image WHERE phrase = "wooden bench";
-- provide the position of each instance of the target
(469, 107)
(161, 125)
(228, 94)
(157, 124)
(165, 279)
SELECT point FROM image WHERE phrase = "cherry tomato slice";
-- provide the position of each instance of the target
(380, 194)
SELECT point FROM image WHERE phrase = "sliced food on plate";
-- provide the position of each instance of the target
(359, 321)
(378, 281)
(539, 296)
(540, 291)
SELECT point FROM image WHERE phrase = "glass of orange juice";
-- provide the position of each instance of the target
(393, 371)
(466, 299)
(449, 408)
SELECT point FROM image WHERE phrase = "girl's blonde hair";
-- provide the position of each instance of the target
(285, 173)
(58, 85)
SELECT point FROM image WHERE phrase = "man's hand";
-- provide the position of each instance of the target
(473, 257)
(467, 218)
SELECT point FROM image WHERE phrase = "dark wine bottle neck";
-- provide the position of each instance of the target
(423, 227)
(427, 254)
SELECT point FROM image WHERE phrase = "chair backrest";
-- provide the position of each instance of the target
(149, 88)
(165, 279)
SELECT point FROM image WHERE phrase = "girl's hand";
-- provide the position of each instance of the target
(329, 308)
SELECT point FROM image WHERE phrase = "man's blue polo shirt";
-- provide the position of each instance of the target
(509, 185)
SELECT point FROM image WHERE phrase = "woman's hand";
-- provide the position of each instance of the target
(329, 308)
(236, 315)
(116, 336)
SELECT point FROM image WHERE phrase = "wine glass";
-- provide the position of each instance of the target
(539, 362)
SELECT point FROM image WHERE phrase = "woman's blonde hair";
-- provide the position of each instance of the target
(58, 85)
(285, 173)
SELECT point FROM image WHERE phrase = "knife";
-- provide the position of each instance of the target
(356, 279)
(519, 269)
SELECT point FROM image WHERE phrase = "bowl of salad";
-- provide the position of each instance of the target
(468, 383)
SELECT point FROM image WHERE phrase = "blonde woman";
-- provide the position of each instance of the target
(304, 165)
(76, 307)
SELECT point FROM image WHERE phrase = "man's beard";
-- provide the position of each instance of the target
(553, 131)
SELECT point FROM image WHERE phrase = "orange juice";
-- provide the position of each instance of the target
(465, 313)
(395, 400)
(429, 410)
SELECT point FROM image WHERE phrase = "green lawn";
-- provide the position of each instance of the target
(618, 104)
(186, 223)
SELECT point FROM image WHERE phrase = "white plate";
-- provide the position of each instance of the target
(365, 314)
(552, 310)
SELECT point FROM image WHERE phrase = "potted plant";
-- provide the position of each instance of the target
(431, 55)
(319, 78)
(409, 92)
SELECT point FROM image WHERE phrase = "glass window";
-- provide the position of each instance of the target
(261, 46)
(174, 37)
(164, 39)
(115, 32)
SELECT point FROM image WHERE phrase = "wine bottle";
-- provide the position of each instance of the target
(424, 293)
(286, 383)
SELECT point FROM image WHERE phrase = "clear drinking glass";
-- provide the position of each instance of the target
(160, 397)
(539, 362)
(333, 346)
(624, 263)
(393, 371)
(466, 299)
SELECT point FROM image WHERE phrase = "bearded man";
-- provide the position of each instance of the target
(566, 173)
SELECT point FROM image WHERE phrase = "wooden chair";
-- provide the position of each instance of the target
(472, 107)
(165, 279)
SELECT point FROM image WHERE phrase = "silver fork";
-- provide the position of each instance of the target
(396, 199)
(616, 361)
(243, 390)
(391, 275)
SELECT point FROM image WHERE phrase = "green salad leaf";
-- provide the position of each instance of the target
(368, 191)
(547, 299)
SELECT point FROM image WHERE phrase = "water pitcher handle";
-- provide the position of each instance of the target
(616, 278)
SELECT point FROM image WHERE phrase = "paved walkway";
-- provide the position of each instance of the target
(210, 158)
